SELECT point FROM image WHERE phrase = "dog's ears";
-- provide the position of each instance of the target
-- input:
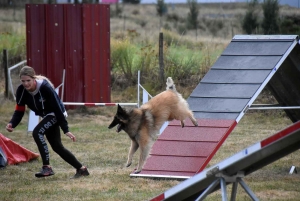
(114, 123)
(120, 109)
(121, 113)
(119, 106)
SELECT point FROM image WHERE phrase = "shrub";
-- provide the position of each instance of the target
(290, 25)
(271, 12)
(122, 59)
(250, 20)
(172, 17)
(132, 1)
(181, 63)
(192, 18)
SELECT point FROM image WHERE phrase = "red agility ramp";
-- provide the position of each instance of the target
(14, 152)
(234, 168)
(229, 89)
(182, 152)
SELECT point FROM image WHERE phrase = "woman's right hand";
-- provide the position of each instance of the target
(9, 127)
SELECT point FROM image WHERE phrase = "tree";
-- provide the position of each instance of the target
(192, 19)
(250, 20)
(161, 9)
(51, 1)
(132, 1)
(271, 16)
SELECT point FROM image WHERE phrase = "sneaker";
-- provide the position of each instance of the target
(80, 173)
(45, 172)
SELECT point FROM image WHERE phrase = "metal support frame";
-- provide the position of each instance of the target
(9, 76)
(293, 170)
(222, 179)
(275, 107)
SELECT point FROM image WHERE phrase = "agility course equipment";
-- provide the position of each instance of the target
(223, 96)
(14, 152)
(74, 37)
(234, 168)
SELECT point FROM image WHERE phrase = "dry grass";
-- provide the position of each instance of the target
(105, 151)
(12, 21)
(272, 182)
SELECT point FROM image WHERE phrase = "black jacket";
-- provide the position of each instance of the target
(44, 102)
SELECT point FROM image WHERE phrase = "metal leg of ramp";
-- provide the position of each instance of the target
(208, 190)
(293, 170)
(222, 180)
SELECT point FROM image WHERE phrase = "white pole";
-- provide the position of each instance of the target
(138, 90)
(10, 81)
(99, 104)
(63, 85)
(274, 108)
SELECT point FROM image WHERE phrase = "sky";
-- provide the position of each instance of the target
(295, 3)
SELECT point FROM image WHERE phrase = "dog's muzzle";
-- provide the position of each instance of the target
(119, 128)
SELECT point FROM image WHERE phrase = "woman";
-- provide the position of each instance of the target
(37, 92)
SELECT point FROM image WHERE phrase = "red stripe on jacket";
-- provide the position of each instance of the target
(20, 108)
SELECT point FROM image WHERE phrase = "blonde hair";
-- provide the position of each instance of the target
(28, 71)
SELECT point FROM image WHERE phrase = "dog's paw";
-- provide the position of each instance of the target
(128, 164)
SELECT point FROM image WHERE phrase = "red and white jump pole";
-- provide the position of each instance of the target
(146, 95)
(100, 104)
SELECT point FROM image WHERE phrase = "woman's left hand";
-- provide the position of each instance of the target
(70, 135)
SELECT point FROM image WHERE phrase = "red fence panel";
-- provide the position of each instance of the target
(55, 42)
(104, 53)
(74, 83)
(96, 46)
(75, 38)
(36, 37)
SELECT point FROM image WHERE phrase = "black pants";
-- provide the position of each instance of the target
(49, 127)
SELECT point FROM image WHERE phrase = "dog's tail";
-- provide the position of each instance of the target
(170, 84)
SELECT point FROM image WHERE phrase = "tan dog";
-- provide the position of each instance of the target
(143, 124)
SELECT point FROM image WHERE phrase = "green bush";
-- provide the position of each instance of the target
(250, 20)
(181, 63)
(184, 59)
(290, 25)
(15, 45)
(271, 17)
(123, 59)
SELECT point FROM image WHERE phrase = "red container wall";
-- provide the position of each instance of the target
(55, 43)
(104, 52)
(74, 83)
(96, 52)
(36, 37)
(75, 38)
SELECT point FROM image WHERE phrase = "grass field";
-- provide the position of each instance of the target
(105, 152)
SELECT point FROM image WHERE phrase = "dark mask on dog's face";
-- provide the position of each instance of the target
(115, 122)
(120, 118)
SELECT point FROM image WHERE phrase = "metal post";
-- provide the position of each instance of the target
(223, 189)
(161, 57)
(247, 189)
(208, 190)
(5, 67)
(138, 90)
(234, 191)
